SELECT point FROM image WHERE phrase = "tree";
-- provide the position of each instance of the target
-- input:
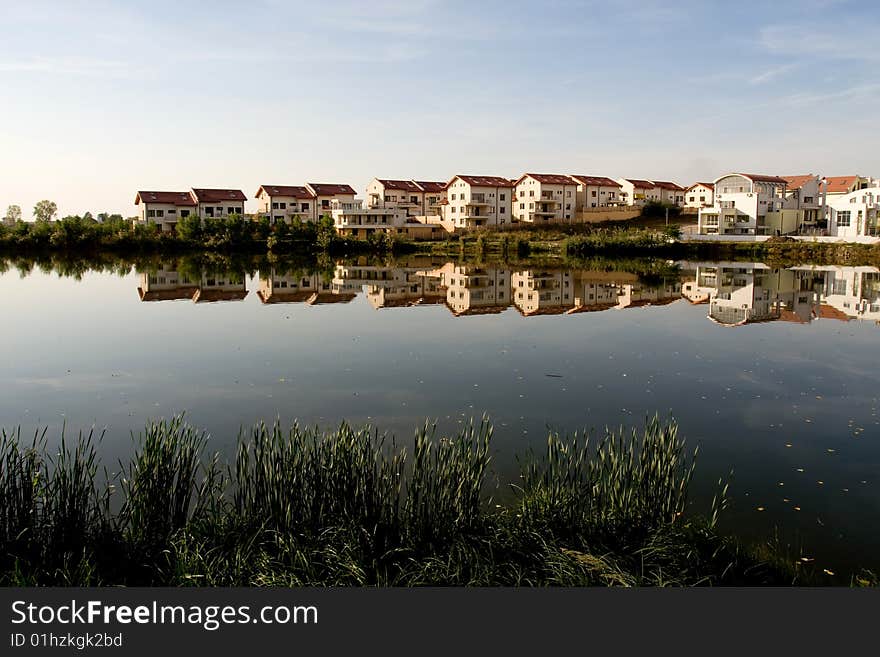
(13, 214)
(45, 210)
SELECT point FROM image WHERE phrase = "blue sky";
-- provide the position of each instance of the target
(100, 99)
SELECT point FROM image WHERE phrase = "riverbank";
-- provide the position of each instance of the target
(351, 507)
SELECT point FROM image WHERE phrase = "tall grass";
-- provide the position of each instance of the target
(353, 507)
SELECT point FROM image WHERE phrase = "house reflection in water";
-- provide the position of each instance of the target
(390, 287)
(312, 289)
(167, 284)
(471, 289)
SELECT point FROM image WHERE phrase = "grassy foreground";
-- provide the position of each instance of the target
(351, 507)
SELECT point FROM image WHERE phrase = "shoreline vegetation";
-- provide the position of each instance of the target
(352, 507)
(646, 236)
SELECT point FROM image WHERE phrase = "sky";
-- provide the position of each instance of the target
(99, 99)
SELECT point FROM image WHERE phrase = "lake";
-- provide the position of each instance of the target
(773, 372)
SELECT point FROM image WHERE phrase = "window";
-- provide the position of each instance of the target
(843, 218)
(160, 213)
(184, 213)
(219, 210)
(151, 213)
(522, 206)
(693, 198)
(231, 210)
(501, 197)
(593, 193)
(274, 206)
(172, 212)
(283, 206)
(531, 192)
(501, 211)
(304, 207)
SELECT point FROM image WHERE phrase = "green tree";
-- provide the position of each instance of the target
(45, 210)
(13, 214)
(190, 228)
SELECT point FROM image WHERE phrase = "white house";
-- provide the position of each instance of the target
(353, 218)
(218, 203)
(596, 192)
(803, 192)
(853, 214)
(750, 204)
(326, 193)
(669, 192)
(699, 195)
(474, 201)
(637, 192)
(164, 209)
(545, 198)
(414, 197)
(285, 203)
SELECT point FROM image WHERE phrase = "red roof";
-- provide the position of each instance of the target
(830, 312)
(218, 195)
(549, 178)
(285, 190)
(757, 177)
(330, 189)
(431, 186)
(596, 181)
(664, 184)
(641, 184)
(170, 198)
(406, 185)
(704, 184)
(796, 182)
(840, 184)
(484, 181)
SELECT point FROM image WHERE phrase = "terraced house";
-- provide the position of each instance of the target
(286, 203)
(670, 192)
(218, 203)
(699, 195)
(545, 198)
(326, 193)
(414, 198)
(635, 191)
(164, 209)
(596, 192)
(474, 201)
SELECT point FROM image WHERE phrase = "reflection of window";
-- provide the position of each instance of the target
(839, 287)
(843, 218)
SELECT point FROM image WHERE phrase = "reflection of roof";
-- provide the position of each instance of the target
(547, 310)
(317, 298)
(285, 190)
(599, 307)
(210, 296)
(596, 181)
(830, 312)
(478, 310)
(183, 199)
(284, 297)
(183, 292)
(791, 316)
(218, 195)
(651, 302)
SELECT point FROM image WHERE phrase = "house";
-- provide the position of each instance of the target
(699, 195)
(286, 203)
(165, 284)
(850, 293)
(539, 292)
(750, 204)
(326, 193)
(475, 201)
(669, 192)
(435, 193)
(634, 191)
(352, 218)
(545, 198)
(279, 287)
(164, 209)
(854, 214)
(846, 184)
(405, 195)
(218, 203)
(596, 192)
(803, 192)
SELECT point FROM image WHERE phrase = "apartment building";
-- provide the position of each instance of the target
(415, 198)
(352, 218)
(435, 193)
(545, 198)
(287, 203)
(596, 192)
(854, 214)
(164, 209)
(803, 192)
(751, 204)
(699, 195)
(218, 203)
(634, 191)
(475, 201)
(669, 192)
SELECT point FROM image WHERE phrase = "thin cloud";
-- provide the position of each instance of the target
(65, 65)
(848, 40)
(772, 74)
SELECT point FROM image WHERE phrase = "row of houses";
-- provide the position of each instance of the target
(463, 202)
(759, 204)
(735, 293)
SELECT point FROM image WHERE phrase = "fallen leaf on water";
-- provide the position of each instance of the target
(827, 572)
(760, 508)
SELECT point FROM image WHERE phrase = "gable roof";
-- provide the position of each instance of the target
(431, 186)
(330, 189)
(641, 184)
(840, 184)
(665, 184)
(759, 177)
(704, 184)
(796, 182)
(217, 195)
(596, 181)
(483, 181)
(285, 190)
(548, 178)
(405, 185)
(184, 199)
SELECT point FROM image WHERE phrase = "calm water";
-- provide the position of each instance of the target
(774, 373)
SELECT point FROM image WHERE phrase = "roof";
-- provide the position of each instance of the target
(704, 184)
(330, 189)
(431, 186)
(665, 184)
(827, 311)
(549, 178)
(406, 185)
(284, 297)
(796, 182)
(483, 181)
(175, 198)
(758, 177)
(286, 190)
(642, 184)
(218, 195)
(596, 181)
(840, 184)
